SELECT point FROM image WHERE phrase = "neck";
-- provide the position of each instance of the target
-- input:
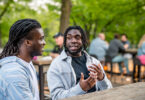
(25, 58)
(74, 55)
(24, 55)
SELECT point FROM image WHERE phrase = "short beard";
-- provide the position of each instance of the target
(34, 52)
(73, 53)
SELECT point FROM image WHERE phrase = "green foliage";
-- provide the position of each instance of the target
(16, 10)
(110, 17)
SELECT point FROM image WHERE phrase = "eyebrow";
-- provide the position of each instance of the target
(74, 35)
(77, 35)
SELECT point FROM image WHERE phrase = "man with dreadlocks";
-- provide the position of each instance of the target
(18, 79)
(75, 72)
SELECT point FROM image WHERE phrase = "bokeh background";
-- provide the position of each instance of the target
(95, 16)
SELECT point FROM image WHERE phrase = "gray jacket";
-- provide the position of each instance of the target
(98, 48)
(114, 48)
(62, 78)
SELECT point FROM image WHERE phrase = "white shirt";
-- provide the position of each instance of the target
(34, 79)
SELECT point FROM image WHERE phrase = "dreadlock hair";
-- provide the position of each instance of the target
(18, 32)
(83, 36)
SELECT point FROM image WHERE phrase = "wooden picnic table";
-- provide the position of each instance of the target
(41, 63)
(131, 51)
(135, 91)
(135, 67)
(134, 53)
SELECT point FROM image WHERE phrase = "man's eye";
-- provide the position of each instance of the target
(78, 37)
(41, 38)
(68, 37)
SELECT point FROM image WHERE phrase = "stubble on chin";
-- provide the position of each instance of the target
(75, 53)
(35, 53)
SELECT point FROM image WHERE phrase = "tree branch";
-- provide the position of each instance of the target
(5, 8)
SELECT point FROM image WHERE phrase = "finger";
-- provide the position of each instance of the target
(92, 81)
(98, 68)
(91, 69)
(82, 76)
(90, 77)
(93, 75)
(94, 69)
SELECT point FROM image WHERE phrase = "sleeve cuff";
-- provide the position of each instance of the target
(104, 84)
(79, 90)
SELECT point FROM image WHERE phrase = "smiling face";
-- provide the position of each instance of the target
(74, 43)
(38, 42)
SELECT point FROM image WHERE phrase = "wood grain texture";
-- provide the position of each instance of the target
(134, 91)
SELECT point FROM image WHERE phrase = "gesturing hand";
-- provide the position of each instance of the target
(88, 83)
(96, 72)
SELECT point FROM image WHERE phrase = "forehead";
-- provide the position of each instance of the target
(74, 32)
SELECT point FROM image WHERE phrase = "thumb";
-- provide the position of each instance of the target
(82, 76)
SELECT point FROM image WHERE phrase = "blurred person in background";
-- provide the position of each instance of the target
(59, 45)
(98, 47)
(125, 41)
(141, 52)
(114, 52)
(126, 44)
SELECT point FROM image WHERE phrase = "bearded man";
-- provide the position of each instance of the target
(74, 71)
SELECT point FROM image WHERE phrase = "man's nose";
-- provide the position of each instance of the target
(73, 40)
(44, 42)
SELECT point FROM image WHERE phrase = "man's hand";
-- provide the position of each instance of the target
(88, 83)
(96, 72)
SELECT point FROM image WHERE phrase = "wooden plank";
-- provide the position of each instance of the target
(134, 91)
(44, 60)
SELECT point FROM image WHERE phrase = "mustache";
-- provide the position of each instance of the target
(74, 53)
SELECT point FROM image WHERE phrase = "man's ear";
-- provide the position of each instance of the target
(28, 42)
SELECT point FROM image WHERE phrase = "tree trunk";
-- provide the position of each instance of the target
(65, 15)
(95, 29)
